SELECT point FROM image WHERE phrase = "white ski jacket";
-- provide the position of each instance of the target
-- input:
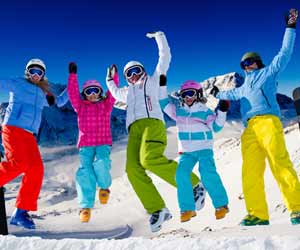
(142, 98)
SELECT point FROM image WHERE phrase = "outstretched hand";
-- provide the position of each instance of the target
(111, 71)
(162, 80)
(291, 18)
(154, 34)
(72, 68)
(224, 105)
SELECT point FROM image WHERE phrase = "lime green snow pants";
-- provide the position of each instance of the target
(146, 145)
(263, 138)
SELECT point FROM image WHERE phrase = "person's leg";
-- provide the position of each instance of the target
(211, 179)
(253, 174)
(185, 195)
(272, 139)
(140, 181)
(154, 142)
(85, 178)
(22, 156)
(102, 166)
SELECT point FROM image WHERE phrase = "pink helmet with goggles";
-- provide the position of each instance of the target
(195, 90)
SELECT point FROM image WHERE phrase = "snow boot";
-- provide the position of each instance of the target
(104, 195)
(158, 218)
(295, 218)
(187, 215)
(85, 214)
(251, 220)
(21, 218)
(221, 212)
(199, 196)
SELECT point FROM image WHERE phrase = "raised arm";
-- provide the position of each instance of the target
(73, 88)
(112, 82)
(164, 53)
(166, 106)
(281, 60)
(233, 94)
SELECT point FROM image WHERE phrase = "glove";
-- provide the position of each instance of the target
(224, 105)
(214, 91)
(162, 80)
(50, 99)
(154, 34)
(111, 71)
(72, 68)
(291, 18)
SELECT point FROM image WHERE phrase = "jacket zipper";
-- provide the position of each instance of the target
(265, 97)
(145, 97)
(35, 106)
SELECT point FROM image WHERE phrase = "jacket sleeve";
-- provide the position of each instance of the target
(281, 60)
(119, 94)
(110, 100)
(164, 55)
(165, 104)
(73, 91)
(233, 94)
(216, 123)
(62, 99)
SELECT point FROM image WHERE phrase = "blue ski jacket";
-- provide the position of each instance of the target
(257, 95)
(26, 102)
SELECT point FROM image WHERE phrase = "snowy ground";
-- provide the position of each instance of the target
(58, 212)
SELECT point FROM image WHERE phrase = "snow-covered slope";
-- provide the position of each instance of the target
(58, 208)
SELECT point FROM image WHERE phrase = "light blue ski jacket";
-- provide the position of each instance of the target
(26, 102)
(258, 93)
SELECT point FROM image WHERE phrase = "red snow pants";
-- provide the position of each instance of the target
(23, 156)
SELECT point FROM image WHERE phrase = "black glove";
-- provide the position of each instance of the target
(111, 71)
(291, 18)
(214, 91)
(224, 105)
(50, 99)
(162, 80)
(72, 68)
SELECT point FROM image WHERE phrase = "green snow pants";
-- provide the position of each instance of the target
(145, 151)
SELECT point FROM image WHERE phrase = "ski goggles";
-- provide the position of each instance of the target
(36, 71)
(247, 62)
(190, 93)
(135, 70)
(92, 90)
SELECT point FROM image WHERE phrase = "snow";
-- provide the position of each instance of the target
(58, 211)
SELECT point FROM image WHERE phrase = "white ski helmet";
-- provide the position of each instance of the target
(35, 62)
(131, 64)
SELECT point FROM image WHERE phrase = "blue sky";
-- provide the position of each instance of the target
(206, 37)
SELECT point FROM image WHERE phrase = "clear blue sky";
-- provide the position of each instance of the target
(207, 37)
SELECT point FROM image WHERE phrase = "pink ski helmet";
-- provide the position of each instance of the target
(90, 83)
(190, 84)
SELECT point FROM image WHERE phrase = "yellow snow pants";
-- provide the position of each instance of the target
(263, 138)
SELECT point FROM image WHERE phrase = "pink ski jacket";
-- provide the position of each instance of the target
(93, 118)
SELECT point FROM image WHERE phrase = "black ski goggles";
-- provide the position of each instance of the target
(190, 93)
(36, 71)
(92, 90)
(134, 70)
(247, 62)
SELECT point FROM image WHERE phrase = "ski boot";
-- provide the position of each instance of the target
(251, 220)
(221, 212)
(104, 195)
(199, 196)
(295, 218)
(85, 214)
(158, 218)
(21, 217)
(187, 215)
